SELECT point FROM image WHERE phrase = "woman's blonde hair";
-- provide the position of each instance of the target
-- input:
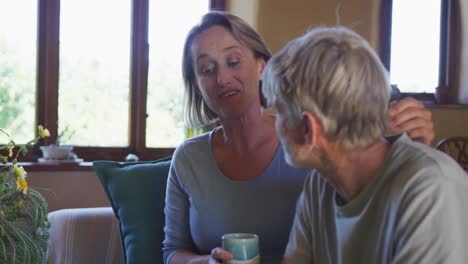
(196, 111)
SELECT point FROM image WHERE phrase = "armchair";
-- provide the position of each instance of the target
(85, 235)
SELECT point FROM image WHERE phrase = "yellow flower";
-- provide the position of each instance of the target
(19, 171)
(3, 159)
(43, 132)
(10, 149)
(22, 185)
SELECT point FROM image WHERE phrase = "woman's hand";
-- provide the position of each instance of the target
(410, 116)
(218, 255)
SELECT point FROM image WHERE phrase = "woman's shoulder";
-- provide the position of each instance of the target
(193, 160)
(195, 146)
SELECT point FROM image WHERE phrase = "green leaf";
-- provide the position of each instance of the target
(24, 150)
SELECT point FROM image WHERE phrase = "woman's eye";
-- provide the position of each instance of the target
(207, 70)
(233, 63)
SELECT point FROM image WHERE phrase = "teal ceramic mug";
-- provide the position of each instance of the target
(243, 247)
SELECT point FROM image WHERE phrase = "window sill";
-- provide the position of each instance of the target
(447, 106)
(37, 166)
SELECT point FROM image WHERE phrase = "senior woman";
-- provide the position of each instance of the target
(234, 178)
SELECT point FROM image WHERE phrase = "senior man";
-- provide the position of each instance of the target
(372, 199)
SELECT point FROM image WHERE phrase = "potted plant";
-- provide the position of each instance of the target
(57, 151)
(23, 211)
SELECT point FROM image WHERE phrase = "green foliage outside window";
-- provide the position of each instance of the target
(17, 96)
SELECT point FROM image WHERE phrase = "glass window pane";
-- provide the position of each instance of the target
(167, 34)
(94, 72)
(18, 44)
(414, 63)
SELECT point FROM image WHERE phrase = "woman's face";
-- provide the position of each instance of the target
(227, 73)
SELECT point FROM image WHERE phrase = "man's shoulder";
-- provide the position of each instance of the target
(419, 170)
(417, 159)
(317, 189)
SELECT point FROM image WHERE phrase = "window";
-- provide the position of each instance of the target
(94, 73)
(414, 61)
(18, 68)
(416, 46)
(165, 74)
(103, 80)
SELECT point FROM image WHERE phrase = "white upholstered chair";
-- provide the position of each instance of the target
(84, 235)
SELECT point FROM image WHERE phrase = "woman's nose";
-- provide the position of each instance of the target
(224, 76)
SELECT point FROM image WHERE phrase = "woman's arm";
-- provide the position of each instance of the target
(177, 229)
(178, 246)
(188, 257)
(218, 255)
(410, 116)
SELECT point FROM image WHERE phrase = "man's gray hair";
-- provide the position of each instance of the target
(334, 73)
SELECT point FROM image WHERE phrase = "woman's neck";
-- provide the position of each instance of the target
(243, 148)
(247, 132)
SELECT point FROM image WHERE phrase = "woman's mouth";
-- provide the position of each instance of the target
(229, 93)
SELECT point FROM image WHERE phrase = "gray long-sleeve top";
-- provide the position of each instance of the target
(202, 204)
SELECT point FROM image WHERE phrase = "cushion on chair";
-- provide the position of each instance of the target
(137, 191)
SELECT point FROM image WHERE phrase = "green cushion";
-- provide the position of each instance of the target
(136, 191)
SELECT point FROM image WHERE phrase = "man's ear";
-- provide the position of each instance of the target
(313, 129)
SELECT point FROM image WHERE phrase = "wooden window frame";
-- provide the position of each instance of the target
(445, 92)
(48, 79)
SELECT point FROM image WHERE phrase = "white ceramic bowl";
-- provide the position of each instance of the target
(54, 152)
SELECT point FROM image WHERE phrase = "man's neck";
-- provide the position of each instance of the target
(350, 172)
